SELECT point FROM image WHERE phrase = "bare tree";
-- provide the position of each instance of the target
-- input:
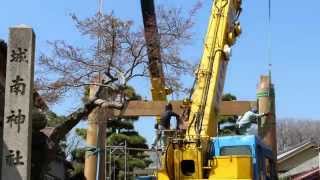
(291, 132)
(116, 55)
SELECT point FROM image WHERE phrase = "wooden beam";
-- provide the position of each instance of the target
(236, 107)
(155, 108)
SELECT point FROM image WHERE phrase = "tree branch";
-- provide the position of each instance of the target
(74, 118)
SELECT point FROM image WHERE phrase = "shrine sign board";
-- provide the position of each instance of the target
(16, 158)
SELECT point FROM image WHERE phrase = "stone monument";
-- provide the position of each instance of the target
(16, 159)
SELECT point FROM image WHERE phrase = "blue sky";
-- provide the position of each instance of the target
(295, 50)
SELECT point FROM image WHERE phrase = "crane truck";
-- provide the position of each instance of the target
(199, 153)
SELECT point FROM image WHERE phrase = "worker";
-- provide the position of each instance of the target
(244, 123)
(164, 124)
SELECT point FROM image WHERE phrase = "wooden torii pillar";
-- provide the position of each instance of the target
(96, 133)
(266, 104)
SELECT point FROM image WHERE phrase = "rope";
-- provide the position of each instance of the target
(100, 6)
(98, 150)
(269, 53)
(92, 150)
(269, 36)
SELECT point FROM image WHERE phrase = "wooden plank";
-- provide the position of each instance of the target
(236, 107)
(155, 108)
(149, 108)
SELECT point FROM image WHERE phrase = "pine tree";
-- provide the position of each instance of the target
(227, 123)
(119, 131)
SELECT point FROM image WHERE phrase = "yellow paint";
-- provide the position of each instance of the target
(162, 174)
(207, 94)
(231, 167)
(187, 154)
(221, 34)
(158, 90)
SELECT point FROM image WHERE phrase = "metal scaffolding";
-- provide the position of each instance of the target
(119, 150)
(115, 150)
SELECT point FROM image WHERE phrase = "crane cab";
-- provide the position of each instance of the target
(241, 157)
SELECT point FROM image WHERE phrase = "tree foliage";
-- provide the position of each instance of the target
(44, 150)
(119, 131)
(54, 119)
(227, 123)
(229, 97)
(135, 159)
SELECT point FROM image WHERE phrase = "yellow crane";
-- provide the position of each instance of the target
(198, 153)
(187, 158)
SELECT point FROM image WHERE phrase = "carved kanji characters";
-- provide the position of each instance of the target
(16, 119)
(14, 158)
(18, 86)
(19, 55)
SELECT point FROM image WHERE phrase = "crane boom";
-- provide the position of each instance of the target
(206, 98)
(187, 158)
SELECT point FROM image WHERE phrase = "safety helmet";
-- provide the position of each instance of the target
(254, 110)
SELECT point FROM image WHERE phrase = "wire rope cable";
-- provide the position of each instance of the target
(269, 48)
(269, 56)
